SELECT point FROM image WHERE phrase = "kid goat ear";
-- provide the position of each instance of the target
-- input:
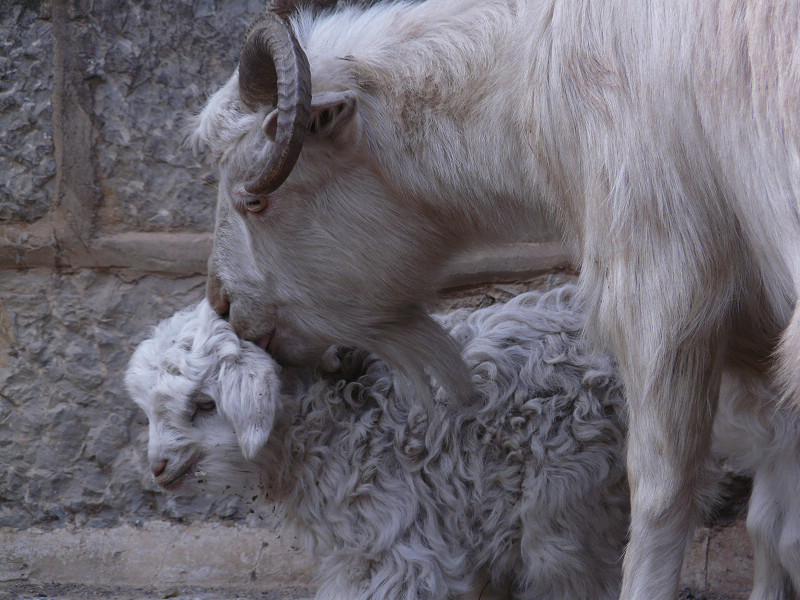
(248, 400)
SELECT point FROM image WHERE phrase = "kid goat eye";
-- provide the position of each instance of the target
(206, 406)
(203, 407)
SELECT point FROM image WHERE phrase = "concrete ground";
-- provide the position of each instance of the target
(213, 561)
(157, 559)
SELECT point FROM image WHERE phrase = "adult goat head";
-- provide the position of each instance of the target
(286, 217)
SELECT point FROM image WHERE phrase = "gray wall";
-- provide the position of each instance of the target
(105, 224)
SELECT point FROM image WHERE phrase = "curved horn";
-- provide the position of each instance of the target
(273, 71)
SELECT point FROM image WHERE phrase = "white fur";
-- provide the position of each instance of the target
(525, 488)
(661, 136)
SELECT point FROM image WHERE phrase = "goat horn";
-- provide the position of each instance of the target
(273, 71)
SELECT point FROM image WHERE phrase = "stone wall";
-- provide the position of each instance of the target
(105, 224)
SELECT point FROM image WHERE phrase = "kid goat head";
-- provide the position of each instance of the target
(193, 366)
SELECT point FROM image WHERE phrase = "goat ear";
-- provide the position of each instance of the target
(270, 125)
(248, 399)
(334, 117)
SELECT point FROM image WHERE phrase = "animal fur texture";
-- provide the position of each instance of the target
(662, 137)
(524, 488)
(536, 461)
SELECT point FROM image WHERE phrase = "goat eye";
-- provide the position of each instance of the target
(203, 406)
(206, 406)
(256, 204)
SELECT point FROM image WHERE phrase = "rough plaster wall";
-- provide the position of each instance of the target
(92, 93)
(72, 445)
(153, 62)
(27, 164)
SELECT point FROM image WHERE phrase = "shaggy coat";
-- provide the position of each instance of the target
(525, 487)
(661, 136)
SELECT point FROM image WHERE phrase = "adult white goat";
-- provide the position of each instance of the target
(524, 487)
(662, 136)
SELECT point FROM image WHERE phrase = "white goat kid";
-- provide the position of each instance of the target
(662, 136)
(526, 485)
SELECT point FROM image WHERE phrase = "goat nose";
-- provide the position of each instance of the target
(222, 305)
(217, 298)
(157, 466)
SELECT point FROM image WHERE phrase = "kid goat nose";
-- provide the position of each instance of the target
(157, 466)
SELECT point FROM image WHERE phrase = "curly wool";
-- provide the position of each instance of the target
(526, 486)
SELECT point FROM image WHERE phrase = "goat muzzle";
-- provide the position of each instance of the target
(217, 298)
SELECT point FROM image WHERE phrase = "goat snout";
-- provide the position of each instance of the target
(217, 297)
(158, 466)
